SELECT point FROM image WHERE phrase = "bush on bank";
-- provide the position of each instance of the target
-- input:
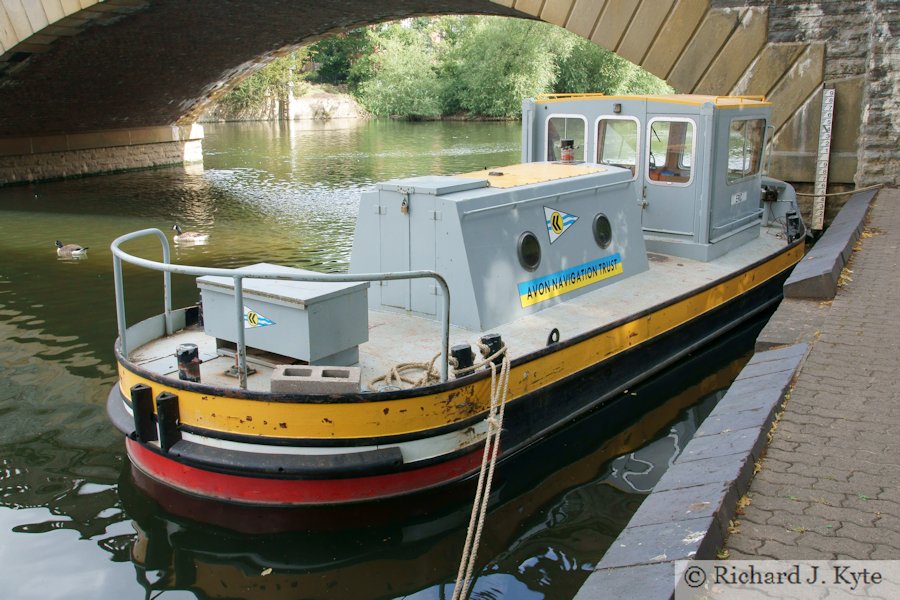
(430, 67)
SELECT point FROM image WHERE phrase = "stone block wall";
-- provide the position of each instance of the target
(63, 156)
(859, 41)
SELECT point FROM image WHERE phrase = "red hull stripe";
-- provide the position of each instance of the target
(288, 492)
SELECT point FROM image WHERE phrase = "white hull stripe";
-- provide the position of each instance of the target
(412, 451)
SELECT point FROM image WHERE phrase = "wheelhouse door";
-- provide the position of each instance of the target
(669, 176)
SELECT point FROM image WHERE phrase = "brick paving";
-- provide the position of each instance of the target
(829, 485)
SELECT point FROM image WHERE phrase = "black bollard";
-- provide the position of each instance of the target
(168, 417)
(494, 343)
(142, 407)
(463, 355)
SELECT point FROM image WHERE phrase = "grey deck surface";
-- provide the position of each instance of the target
(401, 337)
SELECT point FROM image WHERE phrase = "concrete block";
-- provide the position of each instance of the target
(757, 417)
(696, 58)
(583, 17)
(648, 582)
(742, 441)
(768, 68)
(315, 379)
(674, 36)
(664, 542)
(795, 352)
(816, 276)
(613, 23)
(794, 321)
(731, 469)
(670, 506)
(644, 27)
(798, 84)
(741, 48)
(556, 11)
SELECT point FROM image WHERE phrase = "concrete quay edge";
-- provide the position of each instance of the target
(687, 514)
(816, 276)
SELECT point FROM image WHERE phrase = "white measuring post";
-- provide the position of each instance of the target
(818, 212)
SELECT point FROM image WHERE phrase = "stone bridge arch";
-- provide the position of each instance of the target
(91, 86)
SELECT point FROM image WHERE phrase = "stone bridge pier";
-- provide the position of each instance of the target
(90, 86)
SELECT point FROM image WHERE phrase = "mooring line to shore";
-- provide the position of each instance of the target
(499, 389)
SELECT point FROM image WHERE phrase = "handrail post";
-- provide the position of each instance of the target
(241, 343)
(445, 331)
(167, 284)
(120, 302)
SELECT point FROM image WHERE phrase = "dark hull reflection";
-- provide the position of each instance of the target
(555, 509)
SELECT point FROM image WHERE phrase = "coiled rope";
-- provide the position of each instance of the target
(396, 378)
(499, 390)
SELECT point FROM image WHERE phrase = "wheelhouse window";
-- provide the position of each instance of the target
(617, 142)
(670, 151)
(745, 145)
(565, 127)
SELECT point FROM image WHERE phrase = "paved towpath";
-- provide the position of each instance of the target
(829, 485)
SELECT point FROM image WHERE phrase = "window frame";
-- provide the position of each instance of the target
(693, 153)
(547, 133)
(637, 149)
(762, 146)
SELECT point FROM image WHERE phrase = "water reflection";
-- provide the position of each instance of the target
(70, 512)
(555, 510)
(266, 193)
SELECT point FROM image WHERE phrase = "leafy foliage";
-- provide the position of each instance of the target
(431, 66)
(403, 81)
(333, 57)
(500, 61)
(271, 80)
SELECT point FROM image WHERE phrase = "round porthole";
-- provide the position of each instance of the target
(529, 250)
(602, 230)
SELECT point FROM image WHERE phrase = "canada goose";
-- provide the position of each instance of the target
(70, 249)
(188, 236)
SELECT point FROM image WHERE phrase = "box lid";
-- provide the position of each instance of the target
(435, 185)
(300, 293)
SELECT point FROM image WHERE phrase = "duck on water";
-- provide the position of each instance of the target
(636, 230)
(188, 237)
(70, 250)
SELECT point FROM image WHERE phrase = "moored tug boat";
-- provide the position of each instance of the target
(635, 231)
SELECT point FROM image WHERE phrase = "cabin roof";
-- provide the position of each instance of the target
(689, 99)
(530, 173)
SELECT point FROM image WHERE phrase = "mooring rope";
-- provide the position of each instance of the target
(499, 390)
(856, 191)
(396, 378)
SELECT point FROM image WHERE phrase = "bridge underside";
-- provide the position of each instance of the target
(89, 86)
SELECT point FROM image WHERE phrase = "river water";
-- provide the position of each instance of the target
(74, 525)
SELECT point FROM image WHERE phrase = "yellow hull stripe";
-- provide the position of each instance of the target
(347, 420)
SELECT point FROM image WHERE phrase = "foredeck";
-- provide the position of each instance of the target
(396, 337)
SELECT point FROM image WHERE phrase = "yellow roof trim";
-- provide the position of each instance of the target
(530, 173)
(688, 99)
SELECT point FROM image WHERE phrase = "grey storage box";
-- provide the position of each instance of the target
(319, 323)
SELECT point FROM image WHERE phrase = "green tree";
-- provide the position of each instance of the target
(334, 57)
(403, 80)
(590, 68)
(270, 81)
(499, 61)
(639, 81)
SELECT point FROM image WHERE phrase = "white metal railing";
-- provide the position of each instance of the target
(237, 275)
